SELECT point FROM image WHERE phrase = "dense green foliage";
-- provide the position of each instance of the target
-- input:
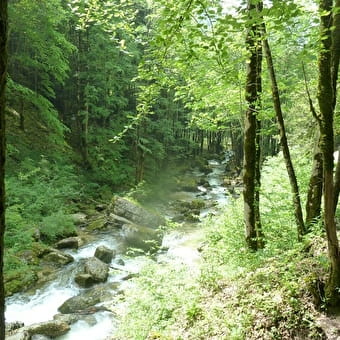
(103, 97)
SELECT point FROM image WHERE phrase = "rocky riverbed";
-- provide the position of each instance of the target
(93, 267)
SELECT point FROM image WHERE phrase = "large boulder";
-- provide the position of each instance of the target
(69, 243)
(136, 213)
(104, 254)
(87, 299)
(97, 269)
(58, 258)
(51, 329)
(43, 330)
(78, 303)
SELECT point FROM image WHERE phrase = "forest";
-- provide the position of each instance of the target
(169, 169)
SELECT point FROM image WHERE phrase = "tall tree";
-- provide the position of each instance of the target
(3, 70)
(251, 170)
(283, 138)
(327, 97)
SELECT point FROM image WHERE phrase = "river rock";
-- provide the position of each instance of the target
(51, 329)
(72, 318)
(70, 243)
(136, 213)
(77, 304)
(87, 299)
(84, 280)
(19, 335)
(58, 258)
(97, 269)
(104, 254)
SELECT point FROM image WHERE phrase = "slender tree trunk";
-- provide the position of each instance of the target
(251, 151)
(258, 224)
(314, 195)
(326, 103)
(283, 141)
(3, 69)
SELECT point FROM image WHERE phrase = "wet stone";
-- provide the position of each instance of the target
(104, 254)
(69, 243)
(57, 257)
(84, 280)
(97, 269)
(49, 328)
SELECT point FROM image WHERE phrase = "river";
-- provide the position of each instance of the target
(180, 244)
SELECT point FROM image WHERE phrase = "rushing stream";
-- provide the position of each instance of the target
(180, 245)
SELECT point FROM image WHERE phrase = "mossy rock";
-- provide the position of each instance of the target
(97, 224)
(19, 280)
(40, 249)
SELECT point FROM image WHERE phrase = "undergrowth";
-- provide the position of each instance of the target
(238, 294)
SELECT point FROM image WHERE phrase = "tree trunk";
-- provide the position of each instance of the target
(259, 56)
(3, 69)
(314, 195)
(251, 151)
(284, 142)
(326, 103)
(237, 138)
